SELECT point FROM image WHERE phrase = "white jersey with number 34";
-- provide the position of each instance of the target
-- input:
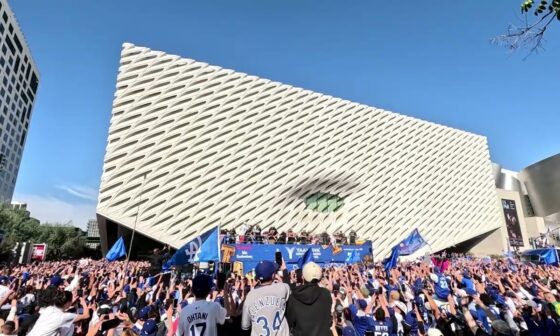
(264, 309)
(200, 319)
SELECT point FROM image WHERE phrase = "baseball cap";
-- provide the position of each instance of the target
(362, 303)
(401, 306)
(312, 271)
(103, 309)
(144, 313)
(365, 291)
(501, 327)
(434, 332)
(150, 328)
(202, 285)
(56, 281)
(265, 270)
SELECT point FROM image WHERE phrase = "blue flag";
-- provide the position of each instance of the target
(411, 244)
(202, 248)
(353, 257)
(118, 250)
(307, 257)
(391, 262)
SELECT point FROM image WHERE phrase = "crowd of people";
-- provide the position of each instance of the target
(253, 234)
(457, 295)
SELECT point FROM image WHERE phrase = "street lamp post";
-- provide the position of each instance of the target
(135, 221)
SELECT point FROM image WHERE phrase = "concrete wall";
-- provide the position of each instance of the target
(494, 244)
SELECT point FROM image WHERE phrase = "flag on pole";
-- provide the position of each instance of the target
(118, 250)
(391, 262)
(412, 243)
(307, 257)
(203, 248)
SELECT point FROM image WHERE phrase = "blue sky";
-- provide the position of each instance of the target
(428, 60)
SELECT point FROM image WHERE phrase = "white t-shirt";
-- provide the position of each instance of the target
(200, 319)
(3, 290)
(51, 321)
(27, 299)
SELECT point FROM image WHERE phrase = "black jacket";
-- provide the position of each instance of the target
(309, 310)
(156, 263)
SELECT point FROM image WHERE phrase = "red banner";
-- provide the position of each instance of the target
(39, 252)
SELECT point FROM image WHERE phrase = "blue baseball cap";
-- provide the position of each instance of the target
(362, 303)
(144, 313)
(149, 328)
(265, 270)
(56, 281)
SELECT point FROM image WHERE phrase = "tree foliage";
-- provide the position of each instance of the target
(531, 32)
(63, 241)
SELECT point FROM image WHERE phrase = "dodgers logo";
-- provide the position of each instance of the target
(290, 252)
(192, 251)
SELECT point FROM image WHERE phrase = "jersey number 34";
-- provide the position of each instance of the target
(265, 325)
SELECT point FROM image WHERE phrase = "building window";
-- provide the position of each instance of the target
(18, 43)
(323, 202)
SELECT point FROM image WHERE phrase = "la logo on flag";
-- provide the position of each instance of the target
(202, 248)
(192, 250)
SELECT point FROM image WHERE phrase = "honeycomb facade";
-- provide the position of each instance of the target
(192, 146)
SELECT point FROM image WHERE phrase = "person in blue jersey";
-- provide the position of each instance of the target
(441, 286)
(413, 322)
(382, 324)
(360, 319)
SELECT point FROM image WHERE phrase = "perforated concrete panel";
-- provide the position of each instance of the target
(192, 146)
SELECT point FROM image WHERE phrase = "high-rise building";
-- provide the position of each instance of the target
(92, 229)
(192, 146)
(19, 79)
(92, 238)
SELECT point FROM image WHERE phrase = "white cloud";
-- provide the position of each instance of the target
(48, 209)
(83, 192)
